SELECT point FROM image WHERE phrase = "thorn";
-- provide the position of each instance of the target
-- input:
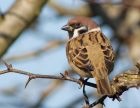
(62, 75)
(3, 62)
(9, 66)
(81, 82)
(81, 85)
(29, 79)
(118, 98)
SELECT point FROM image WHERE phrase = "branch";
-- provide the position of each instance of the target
(35, 76)
(126, 80)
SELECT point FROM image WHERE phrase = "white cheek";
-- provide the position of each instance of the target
(76, 33)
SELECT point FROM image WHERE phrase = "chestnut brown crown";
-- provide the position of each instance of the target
(82, 24)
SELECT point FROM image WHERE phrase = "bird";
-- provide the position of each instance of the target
(89, 52)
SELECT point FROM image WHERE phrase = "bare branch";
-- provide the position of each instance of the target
(35, 76)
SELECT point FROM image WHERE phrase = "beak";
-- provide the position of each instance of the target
(67, 28)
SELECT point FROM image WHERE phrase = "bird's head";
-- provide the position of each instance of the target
(79, 25)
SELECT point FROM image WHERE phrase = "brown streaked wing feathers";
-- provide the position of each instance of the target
(81, 60)
(104, 84)
(108, 53)
(104, 65)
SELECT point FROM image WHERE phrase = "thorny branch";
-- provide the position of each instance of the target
(120, 83)
(35, 76)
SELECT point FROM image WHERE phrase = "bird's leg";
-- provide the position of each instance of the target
(90, 84)
(84, 82)
(85, 95)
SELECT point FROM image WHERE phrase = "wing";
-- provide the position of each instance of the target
(80, 59)
(107, 49)
(102, 57)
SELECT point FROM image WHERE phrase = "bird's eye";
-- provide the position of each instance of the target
(78, 25)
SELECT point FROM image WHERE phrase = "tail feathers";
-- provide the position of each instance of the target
(103, 83)
(103, 87)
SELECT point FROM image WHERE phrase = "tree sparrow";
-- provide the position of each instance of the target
(89, 52)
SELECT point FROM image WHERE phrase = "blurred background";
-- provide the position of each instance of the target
(40, 48)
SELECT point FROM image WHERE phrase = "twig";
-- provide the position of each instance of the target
(35, 76)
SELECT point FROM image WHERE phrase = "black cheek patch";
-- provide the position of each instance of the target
(70, 35)
(82, 31)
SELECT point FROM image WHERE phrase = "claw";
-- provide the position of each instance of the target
(9, 66)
